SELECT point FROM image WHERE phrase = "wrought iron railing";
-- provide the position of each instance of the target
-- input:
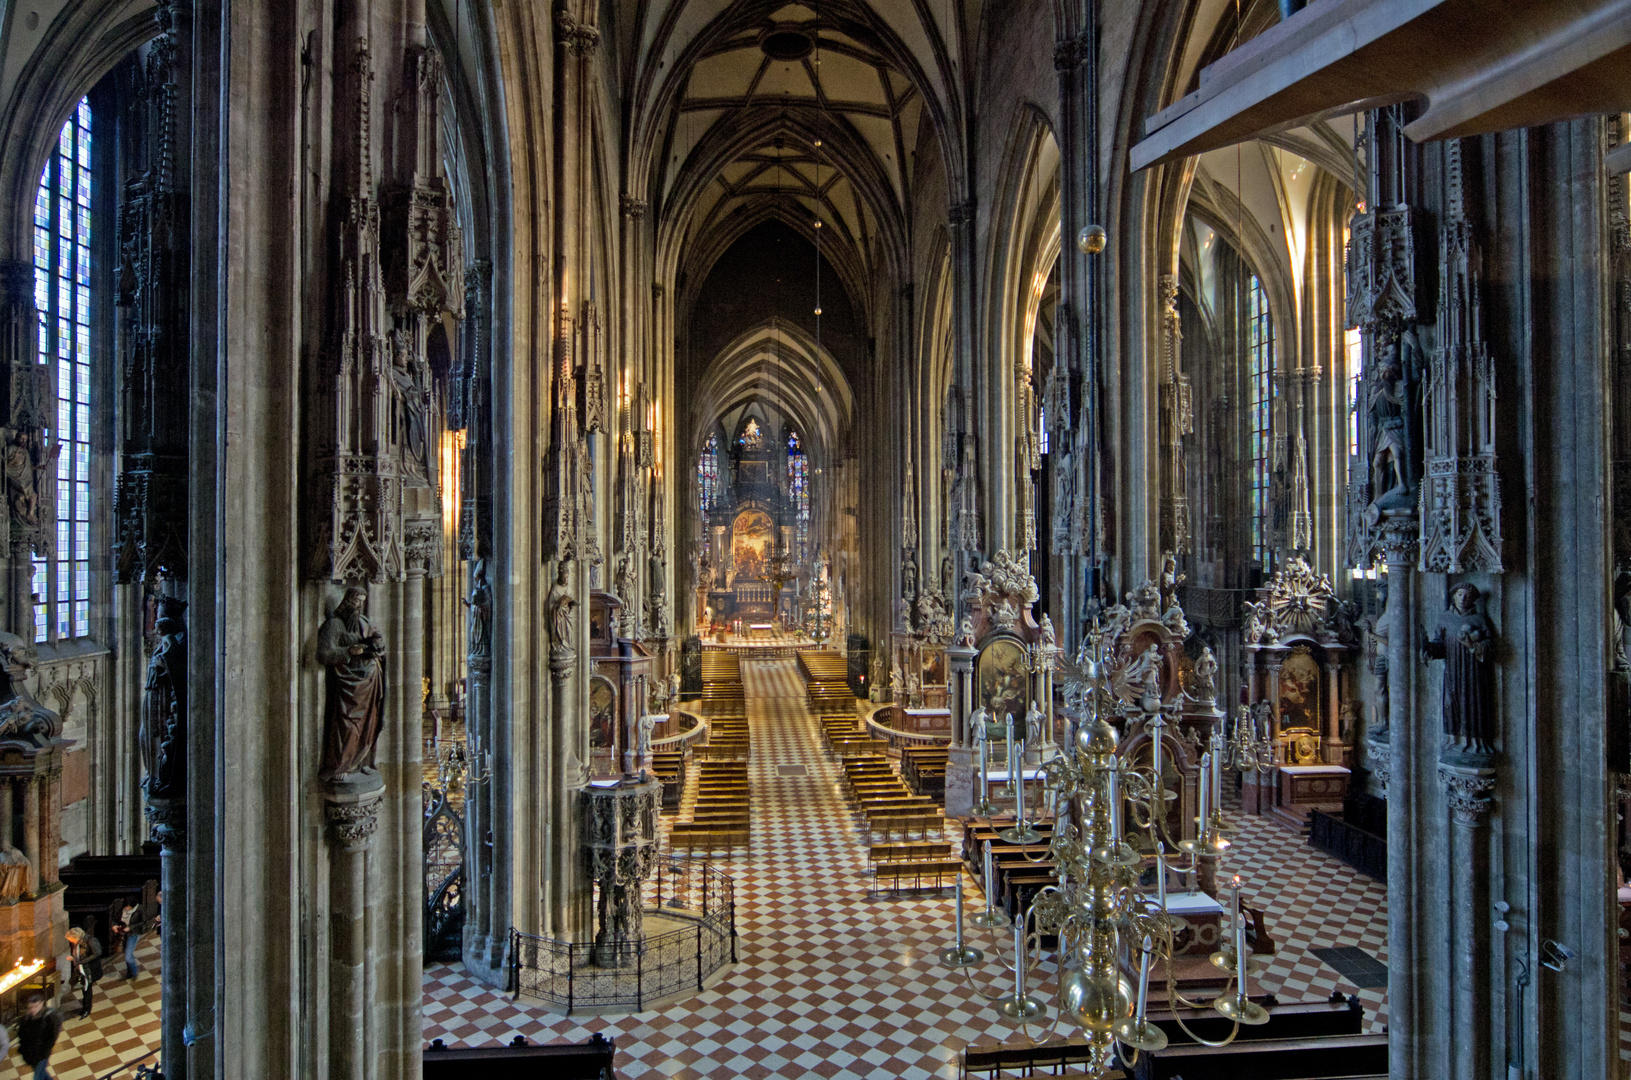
(565, 974)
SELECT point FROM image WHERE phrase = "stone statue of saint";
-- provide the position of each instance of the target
(1206, 675)
(1033, 725)
(1394, 408)
(1465, 641)
(481, 611)
(560, 605)
(1143, 675)
(977, 721)
(164, 705)
(673, 690)
(13, 875)
(354, 712)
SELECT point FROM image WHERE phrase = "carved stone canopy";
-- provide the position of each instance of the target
(1298, 604)
(25, 724)
(1002, 590)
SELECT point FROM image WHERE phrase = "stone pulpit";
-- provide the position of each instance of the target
(621, 825)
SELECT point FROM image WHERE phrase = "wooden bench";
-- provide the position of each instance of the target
(917, 849)
(591, 1060)
(1270, 1059)
(914, 875)
(693, 838)
(905, 824)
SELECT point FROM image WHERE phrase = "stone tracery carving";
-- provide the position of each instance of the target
(1003, 588)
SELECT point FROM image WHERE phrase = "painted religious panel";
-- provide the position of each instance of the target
(602, 714)
(751, 541)
(1300, 691)
(1003, 680)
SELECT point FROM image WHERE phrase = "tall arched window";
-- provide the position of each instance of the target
(62, 293)
(1260, 357)
(798, 492)
(708, 474)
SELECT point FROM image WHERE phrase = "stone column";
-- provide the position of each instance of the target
(961, 761)
(1467, 788)
(1275, 662)
(168, 818)
(352, 815)
(1406, 857)
(50, 829)
(479, 880)
(5, 814)
(560, 805)
(1333, 712)
(31, 831)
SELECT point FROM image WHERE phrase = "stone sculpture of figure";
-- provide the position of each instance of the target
(164, 705)
(647, 722)
(13, 875)
(1050, 637)
(1348, 721)
(1394, 405)
(480, 607)
(965, 633)
(673, 689)
(1622, 631)
(353, 650)
(908, 579)
(1175, 622)
(977, 721)
(897, 681)
(625, 578)
(1206, 675)
(1170, 577)
(1033, 725)
(1143, 675)
(1145, 602)
(1465, 641)
(560, 605)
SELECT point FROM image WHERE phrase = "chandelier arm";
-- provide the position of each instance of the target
(968, 973)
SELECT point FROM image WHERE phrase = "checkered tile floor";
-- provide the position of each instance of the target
(834, 984)
(123, 1025)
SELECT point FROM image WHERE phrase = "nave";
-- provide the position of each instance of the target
(834, 983)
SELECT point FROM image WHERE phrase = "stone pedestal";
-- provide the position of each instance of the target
(351, 810)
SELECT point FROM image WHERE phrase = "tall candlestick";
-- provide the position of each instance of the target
(1019, 785)
(959, 911)
(1161, 873)
(1240, 949)
(1010, 749)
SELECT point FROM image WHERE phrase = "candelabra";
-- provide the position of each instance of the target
(1108, 930)
(1249, 747)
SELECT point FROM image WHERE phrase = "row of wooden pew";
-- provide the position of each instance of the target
(826, 681)
(1311, 1040)
(722, 693)
(924, 770)
(719, 817)
(727, 739)
(885, 806)
(1018, 871)
(844, 738)
(668, 767)
(912, 865)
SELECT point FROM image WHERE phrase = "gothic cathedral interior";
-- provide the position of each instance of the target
(846, 538)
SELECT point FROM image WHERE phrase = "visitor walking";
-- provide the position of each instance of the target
(37, 1035)
(130, 919)
(86, 954)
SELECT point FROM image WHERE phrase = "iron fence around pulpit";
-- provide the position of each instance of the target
(628, 975)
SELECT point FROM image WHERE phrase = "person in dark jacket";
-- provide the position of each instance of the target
(37, 1035)
(86, 954)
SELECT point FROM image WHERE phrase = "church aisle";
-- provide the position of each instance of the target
(834, 984)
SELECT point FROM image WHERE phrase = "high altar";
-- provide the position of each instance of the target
(752, 536)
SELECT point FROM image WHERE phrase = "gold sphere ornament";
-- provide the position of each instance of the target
(1091, 239)
(1096, 1002)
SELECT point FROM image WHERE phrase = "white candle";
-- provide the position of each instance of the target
(1115, 801)
(959, 912)
(1144, 978)
(1240, 949)
(1205, 794)
(1161, 873)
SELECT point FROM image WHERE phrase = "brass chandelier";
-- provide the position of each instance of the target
(1110, 934)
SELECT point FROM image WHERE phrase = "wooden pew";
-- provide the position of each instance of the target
(591, 1060)
(904, 876)
(1271, 1059)
(908, 851)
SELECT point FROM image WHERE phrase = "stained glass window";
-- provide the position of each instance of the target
(62, 293)
(708, 474)
(798, 492)
(1260, 355)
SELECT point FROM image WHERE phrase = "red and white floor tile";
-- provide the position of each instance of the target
(123, 1025)
(839, 984)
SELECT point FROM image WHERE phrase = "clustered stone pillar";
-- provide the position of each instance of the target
(961, 760)
(168, 819)
(1400, 773)
(352, 815)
